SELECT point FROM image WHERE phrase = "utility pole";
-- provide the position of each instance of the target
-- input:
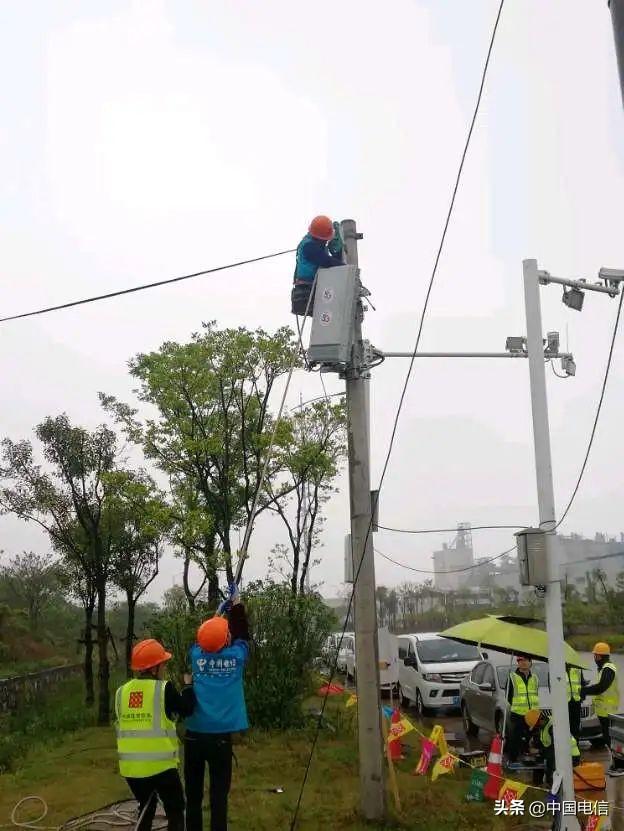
(371, 756)
(617, 18)
(546, 501)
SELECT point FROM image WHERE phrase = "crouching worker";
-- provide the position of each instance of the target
(320, 248)
(217, 664)
(147, 742)
(541, 729)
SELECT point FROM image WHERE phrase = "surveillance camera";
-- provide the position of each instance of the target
(613, 275)
(515, 344)
(573, 299)
(553, 342)
(568, 365)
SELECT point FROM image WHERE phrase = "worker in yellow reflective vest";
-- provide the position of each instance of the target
(522, 696)
(575, 683)
(147, 742)
(606, 695)
(542, 733)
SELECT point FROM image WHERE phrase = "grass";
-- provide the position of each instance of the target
(46, 720)
(78, 773)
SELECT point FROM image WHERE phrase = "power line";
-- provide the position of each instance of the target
(402, 397)
(598, 410)
(447, 530)
(452, 571)
(144, 287)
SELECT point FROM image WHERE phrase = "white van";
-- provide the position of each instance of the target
(346, 652)
(388, 648)
(431, 669)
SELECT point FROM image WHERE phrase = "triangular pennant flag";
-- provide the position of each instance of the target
(444, 765)
(477, 783)
(351, 701)
(594, 823)
(437, 737)
(511, 790)
(399, 729)
(428, 749)
(387, 711)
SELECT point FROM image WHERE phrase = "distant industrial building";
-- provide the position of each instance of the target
(451, 558)
(584, 563)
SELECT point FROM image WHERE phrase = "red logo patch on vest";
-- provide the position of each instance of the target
(136, 700)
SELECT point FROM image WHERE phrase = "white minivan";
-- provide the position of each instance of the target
(431, 668)
(388, 650)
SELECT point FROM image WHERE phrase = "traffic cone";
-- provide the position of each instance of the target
(494, 769)
(395, 746)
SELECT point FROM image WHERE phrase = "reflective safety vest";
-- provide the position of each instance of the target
(608, 702)
(525, 694)
(147, 742)
(574, 684)
(546, 739)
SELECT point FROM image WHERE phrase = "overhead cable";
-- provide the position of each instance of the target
(447, 530)
(452, 571)
(145, 286)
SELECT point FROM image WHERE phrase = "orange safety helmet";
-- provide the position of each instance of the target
(147, 654)
(212, 635)
(601, 648)
(321, 227)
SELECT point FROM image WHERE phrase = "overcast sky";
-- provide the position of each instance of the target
(142, 140)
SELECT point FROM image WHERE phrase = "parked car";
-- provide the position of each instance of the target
(346, 652)
(431, 668)
(330, 651)
(388, 650)
(483, 698)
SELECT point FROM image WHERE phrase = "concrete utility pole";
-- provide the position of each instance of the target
(546, 500)
(617, 18)
(371, 756)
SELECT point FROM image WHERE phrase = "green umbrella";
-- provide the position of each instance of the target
(499, 634)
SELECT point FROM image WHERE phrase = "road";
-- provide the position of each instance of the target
(453, 727)
(452, 723)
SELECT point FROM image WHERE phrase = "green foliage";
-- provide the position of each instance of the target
(212, 423)
(585, 643)
(29, 581)
(175, 628)
(288, 633)
(44, 720)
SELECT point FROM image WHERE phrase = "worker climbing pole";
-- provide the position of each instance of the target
(320, 248)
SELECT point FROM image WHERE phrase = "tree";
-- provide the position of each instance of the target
(139, 520)
(68, 503)
(311, 448)
(77, 579)
(212, 425)
(30, 581)
(193, 536)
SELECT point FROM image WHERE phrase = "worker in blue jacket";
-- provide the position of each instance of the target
(320, 248)
(217, 661)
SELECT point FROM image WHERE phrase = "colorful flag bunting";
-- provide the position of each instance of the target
(428, 749)
(437, 737)
(399, 729)
(351, 701)
(511, 790)
(444, 765)
(477, 783)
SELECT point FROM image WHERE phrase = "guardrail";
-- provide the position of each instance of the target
(23, 689)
